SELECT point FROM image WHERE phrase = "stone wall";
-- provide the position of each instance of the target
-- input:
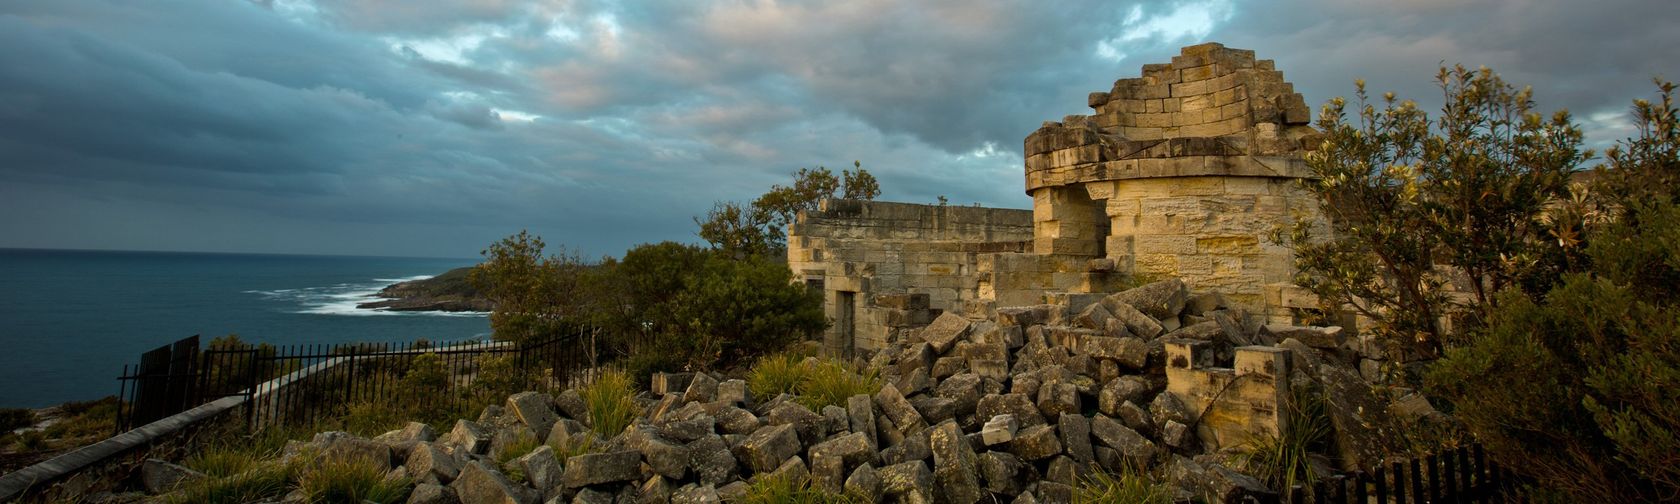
(1188, 169)
(860, 252)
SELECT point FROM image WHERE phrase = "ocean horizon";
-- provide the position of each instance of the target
(71, 319)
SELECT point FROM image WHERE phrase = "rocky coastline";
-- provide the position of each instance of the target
(447, 292)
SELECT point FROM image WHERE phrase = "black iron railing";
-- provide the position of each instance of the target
(306, 383)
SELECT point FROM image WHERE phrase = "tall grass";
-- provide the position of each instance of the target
(830, 382)
(786, 490)
(264, 481)
(612, 405)
(774, 375)
(1284, 461)
(351, 480)
(1130, 486)
(817, 382)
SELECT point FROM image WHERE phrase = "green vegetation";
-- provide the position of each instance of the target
(534, 295)
(351, 480)
(1408, 195)
(757, 230)
(777, 374)
(612, 403)
(1130, 486)
(1282, 461)
(519, 447)
(266, 480)
(787, 490)
(15, 418)
(1563, 354)
(817, 382)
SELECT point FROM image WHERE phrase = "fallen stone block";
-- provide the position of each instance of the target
(598, 468)
(768, 447)
(159, 477)
(1037, 442)
(944, 332)
(999, 430)
(479, 483)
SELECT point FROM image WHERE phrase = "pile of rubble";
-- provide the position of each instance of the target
(1018, 407)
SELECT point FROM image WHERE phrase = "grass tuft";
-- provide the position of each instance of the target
(817, 382)
(612, 404)
(1283, 461)
(774, 375)
(349, 479)
(1130, 486)
(261, 482)
(786, 490)
(830, 382)
(222, 461)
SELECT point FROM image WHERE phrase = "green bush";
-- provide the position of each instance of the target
(1580, 387)
(611, 401)
(1407, 194)
(15, 418)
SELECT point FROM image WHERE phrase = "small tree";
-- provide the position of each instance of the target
(737, 231)
(532, 294)
(1415, 202)
(759, 229)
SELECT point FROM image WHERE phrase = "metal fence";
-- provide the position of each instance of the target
(308, 383)
(1463, 474)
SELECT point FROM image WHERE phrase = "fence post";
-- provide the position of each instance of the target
(251, 388)
(350, 379)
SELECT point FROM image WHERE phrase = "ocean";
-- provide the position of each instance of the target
(70, 320)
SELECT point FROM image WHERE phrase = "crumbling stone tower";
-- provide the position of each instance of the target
(1180, 173)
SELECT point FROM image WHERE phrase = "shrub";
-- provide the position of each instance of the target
(1580, 387)
(12, 419)
(1406, 195)
(1130, 486)
(732, 310)
(85, 419)
(612, 403)
(31, 440)
(349, 479)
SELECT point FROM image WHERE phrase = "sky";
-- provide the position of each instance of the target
(433, 128)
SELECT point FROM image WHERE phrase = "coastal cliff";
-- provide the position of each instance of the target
(448, 292)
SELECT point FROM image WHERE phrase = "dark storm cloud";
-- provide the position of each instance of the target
(432, 128)
(1590, 57)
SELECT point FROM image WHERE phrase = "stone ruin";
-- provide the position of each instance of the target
(1180, 173)
(1020, 407)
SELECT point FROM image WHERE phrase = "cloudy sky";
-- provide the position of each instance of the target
(431, 128)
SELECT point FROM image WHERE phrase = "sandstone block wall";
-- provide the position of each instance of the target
(1230, 406)
(872, 251)
(1182, 172)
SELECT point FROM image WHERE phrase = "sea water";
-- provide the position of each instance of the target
(70, 320)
